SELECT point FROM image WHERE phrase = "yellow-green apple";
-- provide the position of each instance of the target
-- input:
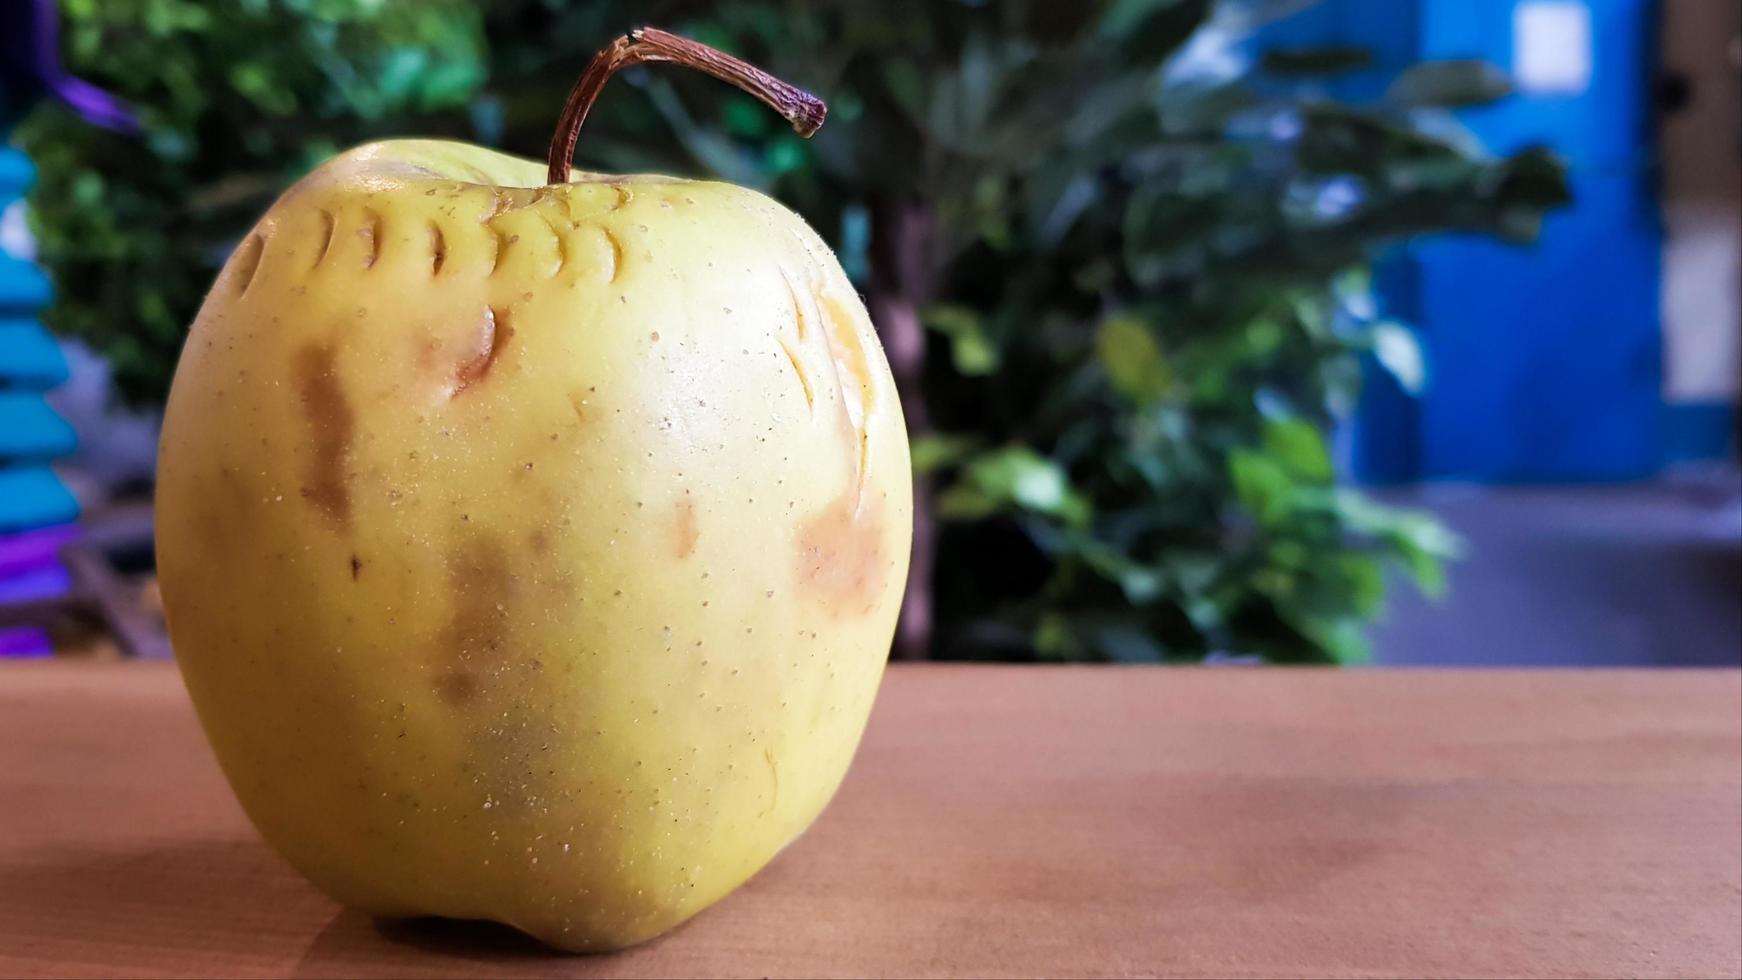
(531, 542)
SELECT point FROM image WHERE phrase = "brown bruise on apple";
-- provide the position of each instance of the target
(332, 424)
(685, 531)
(476, 639)
(226, 525)
(841, 556)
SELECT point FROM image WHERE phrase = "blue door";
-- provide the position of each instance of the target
(1544, 360)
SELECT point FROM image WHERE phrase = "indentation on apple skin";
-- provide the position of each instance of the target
(685, 531)
(798, 316)
(438, 249)
(852, 369)
(248, 262)
(616, 252)
(332, 424)
(328, 225)
(774, 777)
(370, 232)
(501, 242)
(562, 246)
(804, 381)
(493, 338)
(500, 201)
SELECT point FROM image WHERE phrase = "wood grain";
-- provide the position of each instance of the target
(1001, 821)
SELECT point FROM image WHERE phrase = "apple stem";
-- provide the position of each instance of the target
(804, 110)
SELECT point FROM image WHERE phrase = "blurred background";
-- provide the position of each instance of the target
(1395, 331)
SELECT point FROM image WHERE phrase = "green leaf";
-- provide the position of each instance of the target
(1134, 362)
(1014, 477)
(1364, 578)
(1342, 638)
(1140, 584)
(1426, 569)
(1054, 640)
(1299, 448)
(1154, 28)
(1452, 84)
(1353, 289)
(1532, 181)
(1261, 484)
(935, 450)
(1422, 544)
(972, 352)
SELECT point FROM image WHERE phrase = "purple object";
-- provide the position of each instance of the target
(30, 62)
(25, 642)
(31, 550)
(47, 582)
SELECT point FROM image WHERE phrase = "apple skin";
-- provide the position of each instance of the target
(531, 553)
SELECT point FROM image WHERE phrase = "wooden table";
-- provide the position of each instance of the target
(1061, 821)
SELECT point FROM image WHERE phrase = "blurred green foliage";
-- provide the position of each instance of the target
(236, 100)
(1144, 251)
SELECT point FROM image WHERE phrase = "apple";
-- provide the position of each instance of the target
(531, 542)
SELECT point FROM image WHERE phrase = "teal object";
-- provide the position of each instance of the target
(29, 357)
(30, 430)
(23, 287)
(31, 433)
(32, 496)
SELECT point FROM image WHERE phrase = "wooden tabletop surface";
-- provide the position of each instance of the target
(1000, 821)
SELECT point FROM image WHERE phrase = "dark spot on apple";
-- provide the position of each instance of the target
(356, 567)
(539, 540)
(483, 587)
(457, 686)
(228, 522)
(331, 423)
(427, 349)
(841, 555)
(684, 529)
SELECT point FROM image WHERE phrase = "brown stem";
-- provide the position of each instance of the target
(804, 110)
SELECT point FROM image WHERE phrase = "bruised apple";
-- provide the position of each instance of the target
(532, 542)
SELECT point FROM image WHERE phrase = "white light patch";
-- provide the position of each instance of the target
(1551, 47)
(15, 237)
